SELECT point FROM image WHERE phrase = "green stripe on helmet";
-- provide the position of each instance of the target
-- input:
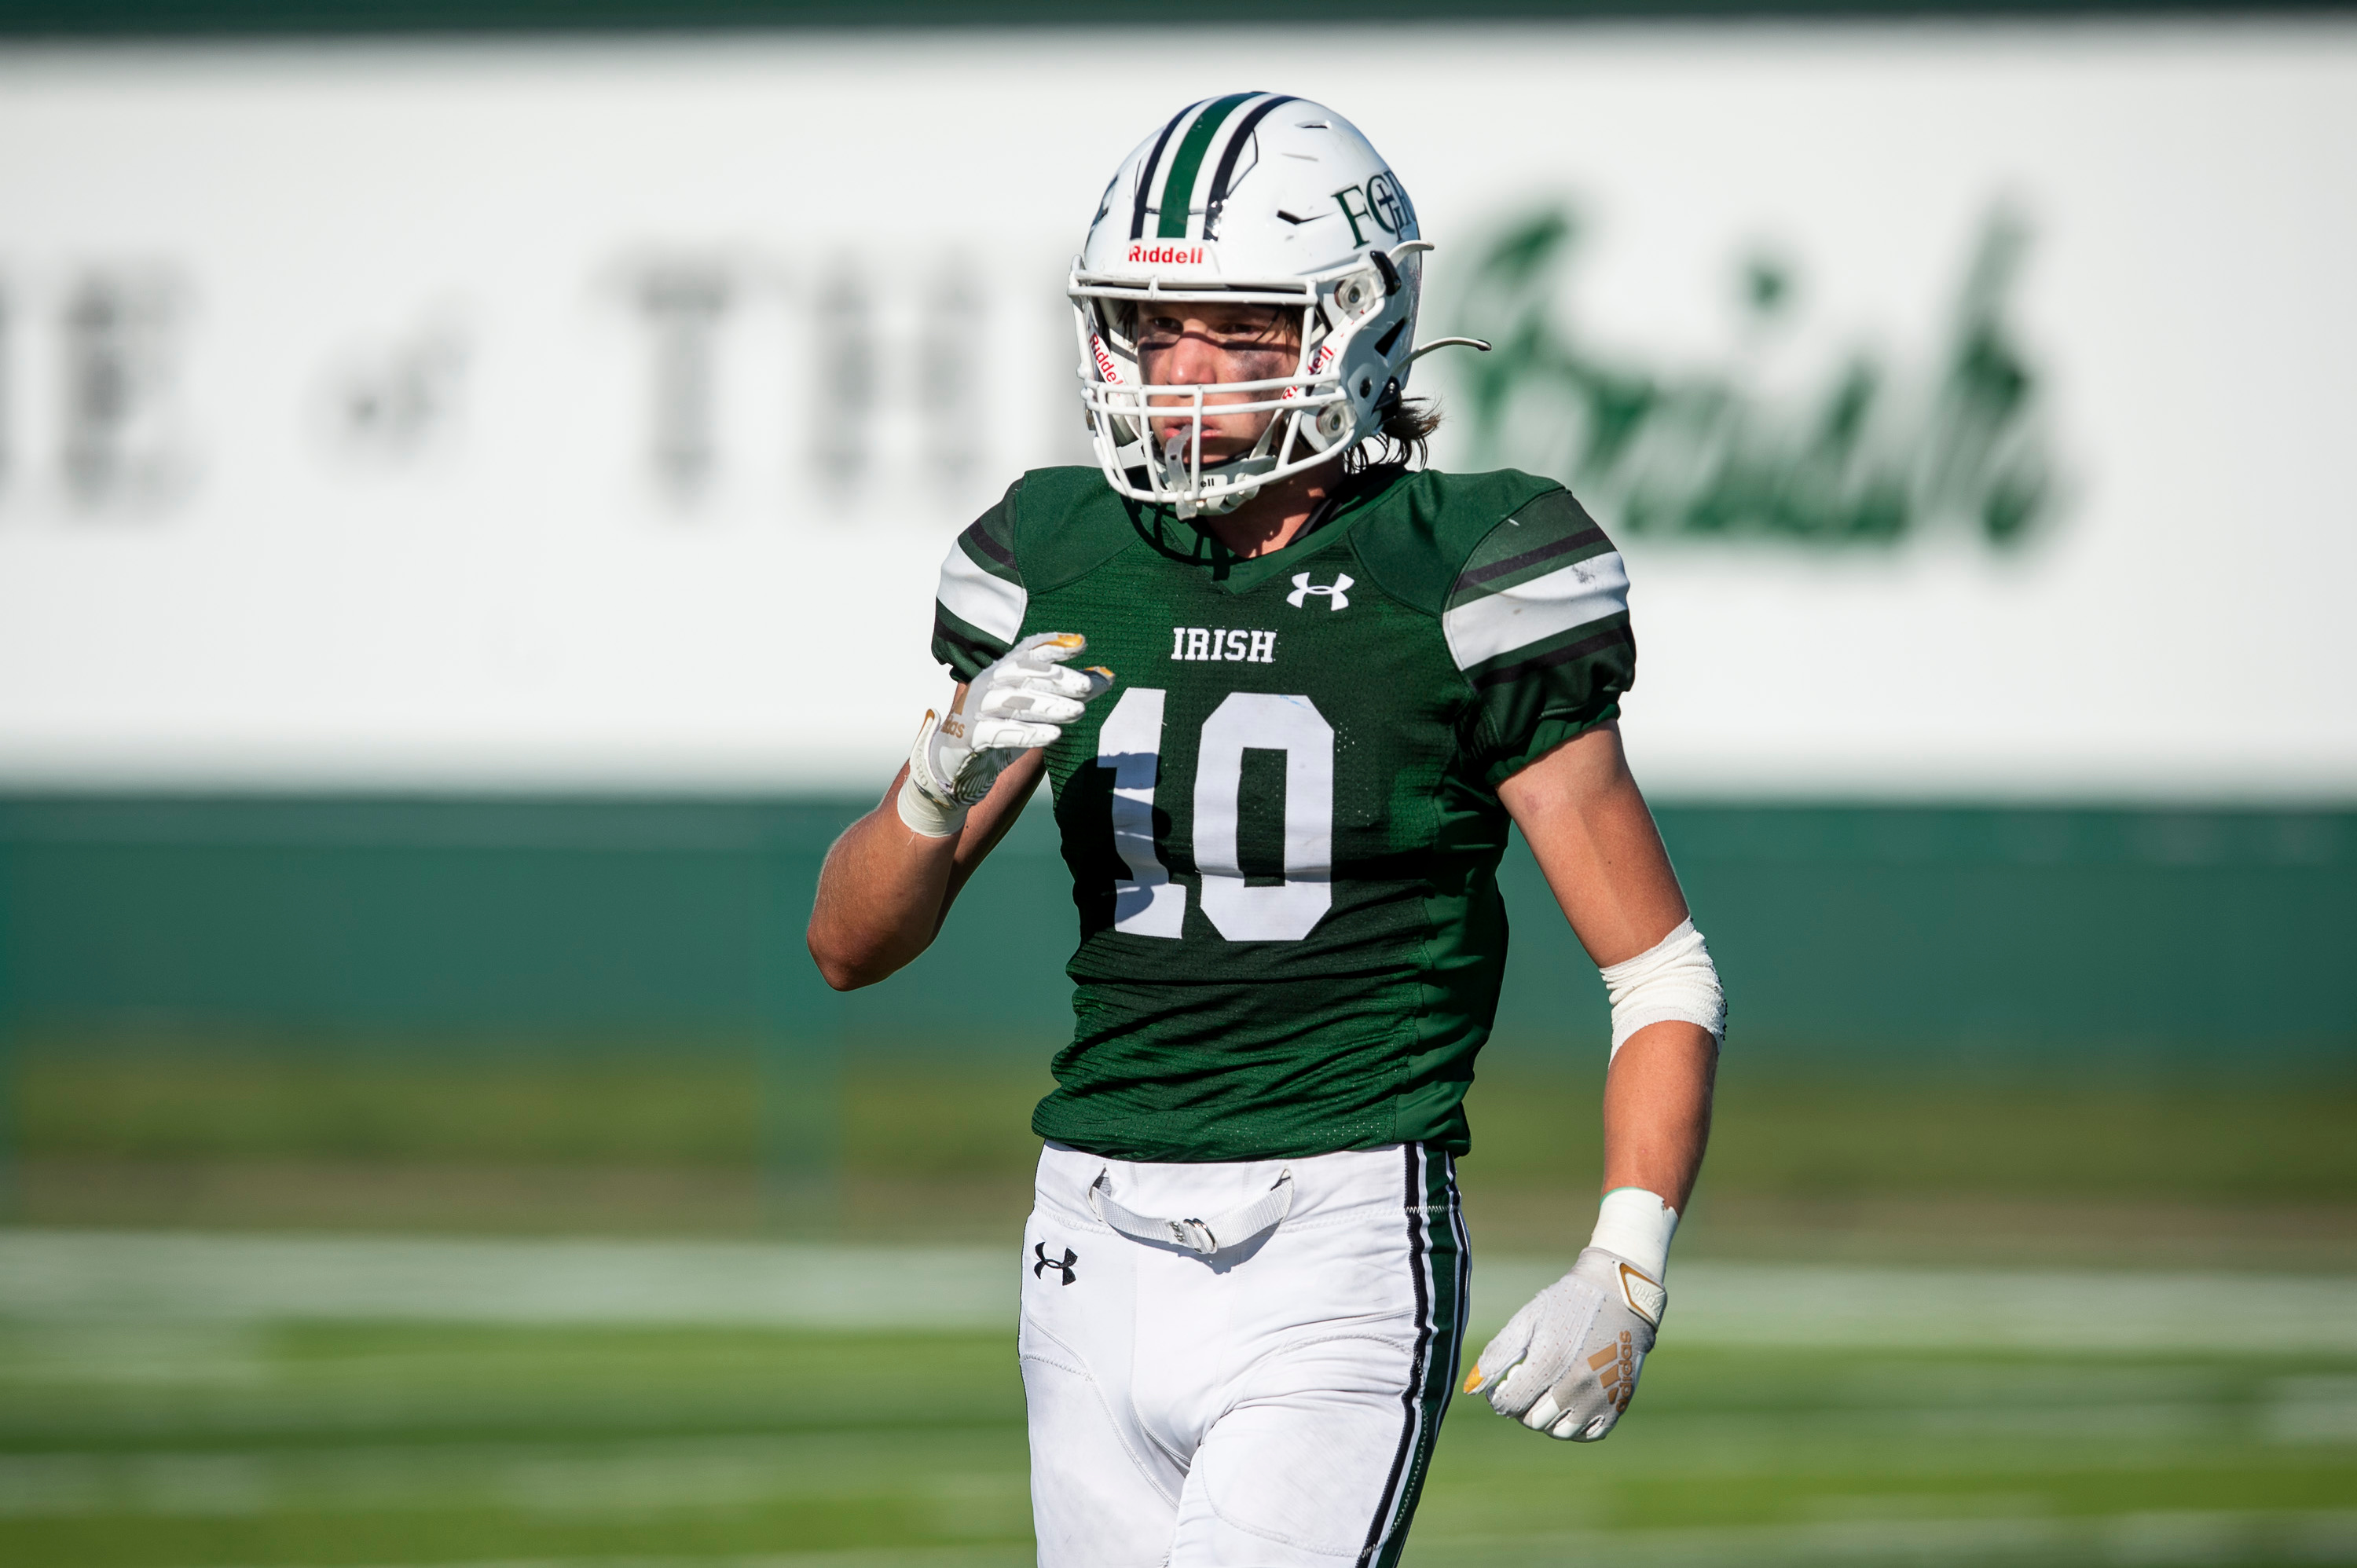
(1178, 188)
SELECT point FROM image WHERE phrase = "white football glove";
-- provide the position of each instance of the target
(1566, 1364)
(1021, 702)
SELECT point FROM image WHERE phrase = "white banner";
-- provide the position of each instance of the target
(1971, 403)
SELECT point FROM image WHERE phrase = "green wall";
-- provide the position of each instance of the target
(1913, 936)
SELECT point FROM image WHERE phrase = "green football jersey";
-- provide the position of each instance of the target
(1283, 821)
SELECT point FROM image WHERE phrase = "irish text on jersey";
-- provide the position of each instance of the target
(1239, 645)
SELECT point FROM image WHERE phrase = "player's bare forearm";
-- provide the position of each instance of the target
(886, 888)
(1595, 840)
(1587, 823)
(1657, 1109)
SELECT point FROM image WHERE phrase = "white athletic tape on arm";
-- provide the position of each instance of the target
(925, 816)
(1672, 980)
(924, 802)
(1638, 1224)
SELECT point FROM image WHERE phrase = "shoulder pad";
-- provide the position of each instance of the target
(1436, 523)
(1067, 522)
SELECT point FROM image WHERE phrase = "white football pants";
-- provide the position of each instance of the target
(1271, 1405)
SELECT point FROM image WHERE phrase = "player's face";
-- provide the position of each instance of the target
(1198, 345)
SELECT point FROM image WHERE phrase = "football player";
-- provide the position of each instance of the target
(1289, 689)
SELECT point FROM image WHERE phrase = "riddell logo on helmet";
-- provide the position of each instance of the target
(1181, 254)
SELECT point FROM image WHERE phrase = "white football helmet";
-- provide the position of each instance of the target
(1252, 199)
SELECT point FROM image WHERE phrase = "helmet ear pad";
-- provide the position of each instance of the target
(1373, 349)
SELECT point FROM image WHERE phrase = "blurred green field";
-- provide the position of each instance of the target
(147, 1430)
(2272, 1137)
(1997, 1167)
(162, 1446)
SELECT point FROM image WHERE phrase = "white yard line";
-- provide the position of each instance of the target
(82, 1275)
(2016, 1309)
(557, 1480)
(87, 1277)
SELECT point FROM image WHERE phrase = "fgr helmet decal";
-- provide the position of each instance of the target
(1174, 206)
(1380, 199)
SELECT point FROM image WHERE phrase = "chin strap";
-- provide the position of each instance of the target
(1218, 502)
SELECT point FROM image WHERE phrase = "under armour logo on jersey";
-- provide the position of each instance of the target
(1039, 1270)
(1335, 596)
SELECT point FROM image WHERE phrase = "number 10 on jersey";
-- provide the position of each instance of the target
(1148, 904)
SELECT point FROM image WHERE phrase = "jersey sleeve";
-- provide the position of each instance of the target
(978, 610)
(1538, 622)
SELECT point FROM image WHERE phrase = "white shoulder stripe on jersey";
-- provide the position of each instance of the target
(1582, 592)
(979, 599)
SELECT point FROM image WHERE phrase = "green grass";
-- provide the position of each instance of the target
(1814, 1137)
(1937, 1168)
(273, 1444)
(189, 1445)
(688, 1108)
(359, 1444)
(1783, 1135)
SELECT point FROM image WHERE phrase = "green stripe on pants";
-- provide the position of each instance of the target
(1447, 1258)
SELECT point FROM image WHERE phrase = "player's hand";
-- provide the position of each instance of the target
(1566, 1364)
(1022, 702)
